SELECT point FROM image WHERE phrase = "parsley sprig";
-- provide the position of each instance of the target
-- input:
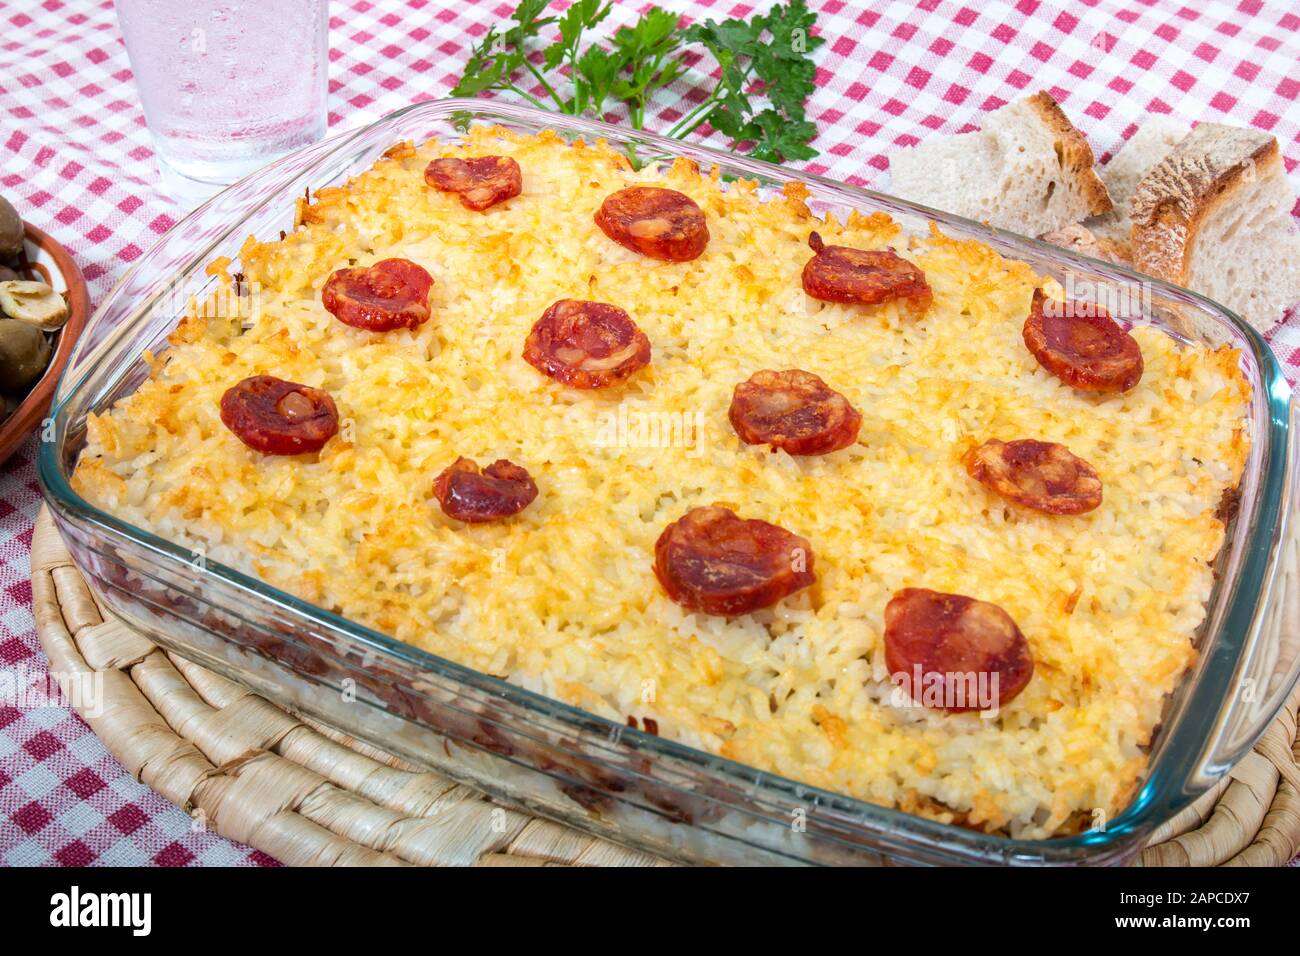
(764, 65)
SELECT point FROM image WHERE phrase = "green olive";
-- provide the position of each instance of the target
(11, 230)
(24, 354)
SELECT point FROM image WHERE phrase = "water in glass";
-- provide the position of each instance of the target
(227, 85)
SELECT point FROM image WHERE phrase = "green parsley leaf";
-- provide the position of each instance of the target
(778, 69)
(766, 72)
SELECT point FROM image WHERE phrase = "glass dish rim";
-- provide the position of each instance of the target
(1201, 710)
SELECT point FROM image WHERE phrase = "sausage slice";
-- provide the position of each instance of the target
(391, 294)
(954, 653)
(795, 411)
(500, 490)
(1041, 475)
(586, 344)
(1082, 345)
(480, 182)
(656, 222)
(863, 277)
(711, 561)
(277, 417)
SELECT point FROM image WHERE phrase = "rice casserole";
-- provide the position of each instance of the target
(561, 598)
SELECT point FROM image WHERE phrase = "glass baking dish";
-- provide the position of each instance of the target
(562, 762)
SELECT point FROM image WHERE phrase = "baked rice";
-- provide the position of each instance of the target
(561, 599)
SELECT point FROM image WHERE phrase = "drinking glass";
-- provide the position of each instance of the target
(227, 85)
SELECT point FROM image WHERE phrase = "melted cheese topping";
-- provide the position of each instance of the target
(561, 598)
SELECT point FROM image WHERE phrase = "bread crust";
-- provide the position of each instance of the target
(1074, 152)
(1211, 165)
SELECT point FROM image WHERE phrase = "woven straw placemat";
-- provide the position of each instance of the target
(310, 795)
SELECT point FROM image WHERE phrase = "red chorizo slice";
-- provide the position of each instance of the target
(469, 494)
(1041, 475)
(955, 653)
(480, 182)
(1082, 345)
(711, 561)
(795, 411)
(656, 222)
(391, 294)
(277, 417)
(863, 276)
(586, 344)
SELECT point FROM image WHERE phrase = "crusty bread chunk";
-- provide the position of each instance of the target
(1215, 216)
(1151, 143)
(1026, 169)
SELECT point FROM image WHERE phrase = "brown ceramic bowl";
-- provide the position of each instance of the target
(50, 262)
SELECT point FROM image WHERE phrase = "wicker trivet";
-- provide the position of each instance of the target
(310, 795)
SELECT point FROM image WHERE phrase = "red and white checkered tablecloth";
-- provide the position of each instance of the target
(76, 160)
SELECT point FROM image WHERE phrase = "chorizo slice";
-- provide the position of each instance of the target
(277, 417)
(468, 493)
(794, 411)
(954, 653)
(712, 561)
(656, 222)
(586, 344)
(480, 182)
(864, 277)
(1041, 475)
(391, 294)
(1082, 345)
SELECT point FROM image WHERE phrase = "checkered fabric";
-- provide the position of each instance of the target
(75, 158)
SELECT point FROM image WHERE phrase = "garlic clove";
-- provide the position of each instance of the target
(34, 303)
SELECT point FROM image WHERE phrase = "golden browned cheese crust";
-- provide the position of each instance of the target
(561, 597)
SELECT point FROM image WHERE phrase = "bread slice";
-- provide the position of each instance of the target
(1026, 169)
(1215, 216)
(1151, 143)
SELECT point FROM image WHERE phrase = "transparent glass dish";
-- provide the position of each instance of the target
(564, 763)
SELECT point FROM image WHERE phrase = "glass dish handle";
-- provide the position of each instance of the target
(1270, 666)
